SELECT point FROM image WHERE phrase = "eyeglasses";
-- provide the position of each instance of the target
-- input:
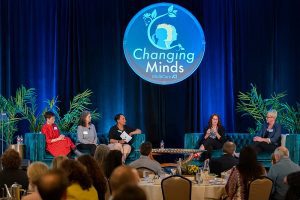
(270, 117)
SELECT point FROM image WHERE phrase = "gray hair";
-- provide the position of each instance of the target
(282, 152)
(273, 113)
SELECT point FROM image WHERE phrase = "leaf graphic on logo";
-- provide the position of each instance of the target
(170, 9)
(175, 11)
(154, 14)
(172, 15)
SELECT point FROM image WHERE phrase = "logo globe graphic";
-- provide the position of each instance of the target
(164, 43)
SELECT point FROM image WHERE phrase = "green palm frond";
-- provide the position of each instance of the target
(80, 103)
(252, 104)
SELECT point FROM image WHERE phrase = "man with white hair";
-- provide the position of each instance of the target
(269, 136)
(281, 169)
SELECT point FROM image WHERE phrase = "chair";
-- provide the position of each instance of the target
(142, 169)
(176, 188)
(260, 188)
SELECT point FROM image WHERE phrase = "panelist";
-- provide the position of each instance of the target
(56, 144)
(116, 142)
(268, 139)
(86, 133)
(214, 136)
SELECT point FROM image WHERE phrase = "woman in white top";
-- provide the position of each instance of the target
(86, 133)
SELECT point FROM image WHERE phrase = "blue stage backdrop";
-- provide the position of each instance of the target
(63, 47)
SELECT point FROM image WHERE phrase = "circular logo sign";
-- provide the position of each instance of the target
(164, 43)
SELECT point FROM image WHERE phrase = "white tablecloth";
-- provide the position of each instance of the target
(199, 192)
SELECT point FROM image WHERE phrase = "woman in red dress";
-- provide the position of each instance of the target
(56, 143)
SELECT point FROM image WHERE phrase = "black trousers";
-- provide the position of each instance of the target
(87, 147)
(263, 147)
(210, 144)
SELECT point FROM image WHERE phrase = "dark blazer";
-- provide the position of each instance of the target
(221, 131)
(274, 136)
(224, 163)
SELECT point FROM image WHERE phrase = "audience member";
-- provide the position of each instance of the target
(34, 172)
(57, 160)
(80, 187)
(116, 142)
(11, 162)
(101, 152)
(130, 192)
(226, 161)
(146, 159)
(269, 136)
(112, 161)
(86, 133)
(53, 185)
(246, 170)
(293, 180)
(214, 136)
(96, 174)
(278, 171)
(122, 176)
(56, 143)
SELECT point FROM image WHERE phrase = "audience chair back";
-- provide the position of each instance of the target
(260, 188)
(142, 170)
(176, 188)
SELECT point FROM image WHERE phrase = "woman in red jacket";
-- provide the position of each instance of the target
(56, 143)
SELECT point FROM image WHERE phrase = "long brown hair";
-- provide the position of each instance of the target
(210, 120)
(82, 119)
(96, 174)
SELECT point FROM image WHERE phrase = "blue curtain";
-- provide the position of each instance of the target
(63, 47)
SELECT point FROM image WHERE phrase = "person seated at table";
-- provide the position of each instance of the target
(146, 159)
(268, 139)
(247, 170)
(11, 162)
(121, 176)
(86, 133)
(34, 172)
(214, 137)
(130, 192)
(56, 143)
(116, 142)
(226, 161)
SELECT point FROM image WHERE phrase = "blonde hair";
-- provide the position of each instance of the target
(35, 171)
(56, 162)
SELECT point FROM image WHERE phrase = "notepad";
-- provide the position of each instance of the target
(125, 136)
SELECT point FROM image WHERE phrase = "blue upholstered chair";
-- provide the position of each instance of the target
(36, 147)
(191, 141)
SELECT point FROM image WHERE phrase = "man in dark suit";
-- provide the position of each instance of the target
(226, 161)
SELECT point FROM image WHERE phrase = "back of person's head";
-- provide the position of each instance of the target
(112, 161)
(248, 166)
(130, 192)
(95, 173)
(281, 152)
(146, 148)
(52, 185)
(48, 115)
(11, 159)
(229, 148)
(101, 152)
(35, 171)
(56, 162)
(76, 173)
(121, 176)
